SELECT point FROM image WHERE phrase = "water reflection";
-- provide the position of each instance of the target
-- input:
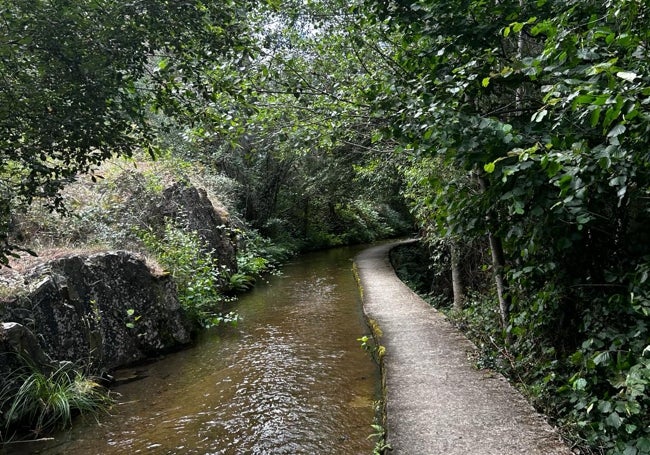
(291, 379)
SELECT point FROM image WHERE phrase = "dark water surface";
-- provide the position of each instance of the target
(290, 379)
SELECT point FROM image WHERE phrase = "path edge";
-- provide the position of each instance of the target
(381, 414)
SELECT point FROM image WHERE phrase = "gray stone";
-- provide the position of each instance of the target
(18, 339)
(103, 310)
(192, 207)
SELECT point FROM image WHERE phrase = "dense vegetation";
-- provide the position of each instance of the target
(526, 127)
(516, 132)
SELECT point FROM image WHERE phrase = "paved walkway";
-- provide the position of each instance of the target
(437, 403)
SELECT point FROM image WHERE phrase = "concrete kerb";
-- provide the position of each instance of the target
(435, 401)
(376, 334)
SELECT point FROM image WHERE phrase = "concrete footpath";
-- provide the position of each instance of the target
(437, 403)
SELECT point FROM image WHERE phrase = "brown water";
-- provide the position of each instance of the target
(290, 379)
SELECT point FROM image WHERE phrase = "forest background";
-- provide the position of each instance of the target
(515, 132)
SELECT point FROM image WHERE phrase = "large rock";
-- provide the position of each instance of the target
(18, 341)
(191, 207)
(104, 310)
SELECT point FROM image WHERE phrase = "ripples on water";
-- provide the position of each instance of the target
(291, 379)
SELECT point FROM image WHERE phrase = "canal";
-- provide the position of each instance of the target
(291, 378)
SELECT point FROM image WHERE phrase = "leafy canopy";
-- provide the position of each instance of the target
(81, 80)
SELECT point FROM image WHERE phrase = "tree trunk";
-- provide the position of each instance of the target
(305, 218)
(498, 265)
(456, 278)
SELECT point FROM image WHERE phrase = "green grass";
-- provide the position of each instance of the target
(45, 402)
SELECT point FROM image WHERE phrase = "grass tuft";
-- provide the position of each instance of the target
(47, 401)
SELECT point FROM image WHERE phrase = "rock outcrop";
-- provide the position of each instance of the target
(191, 207)
(18, 341)
(103, 310)
(107, 310)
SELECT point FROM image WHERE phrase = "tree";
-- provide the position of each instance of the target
(436, 103)
(296, 143)
(81, 78)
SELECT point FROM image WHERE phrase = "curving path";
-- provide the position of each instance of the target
(436, 401)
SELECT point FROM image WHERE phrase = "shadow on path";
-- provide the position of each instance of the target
(436, 401)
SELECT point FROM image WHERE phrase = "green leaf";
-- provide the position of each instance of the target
(627, 75)
(163, 63)
(595, 117)
(614, 420)
(611, 115)
(605, 406)
(618, 180)
(605, 162)
(643, 444)
(519, 207)
(579, 384)
(539, 116)
(603, 357)
(485, 82)
(584, 99)
(489, 167)
(617, 130)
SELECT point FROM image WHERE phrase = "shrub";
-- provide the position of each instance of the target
(196, 273)
(258, 255)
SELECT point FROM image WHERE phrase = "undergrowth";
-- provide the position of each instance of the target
(205, 286)
(195, 271)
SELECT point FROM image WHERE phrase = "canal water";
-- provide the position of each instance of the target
(291, 378)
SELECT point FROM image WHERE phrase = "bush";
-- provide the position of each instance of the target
(196, 273)
(604, 397)
(258, 255)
